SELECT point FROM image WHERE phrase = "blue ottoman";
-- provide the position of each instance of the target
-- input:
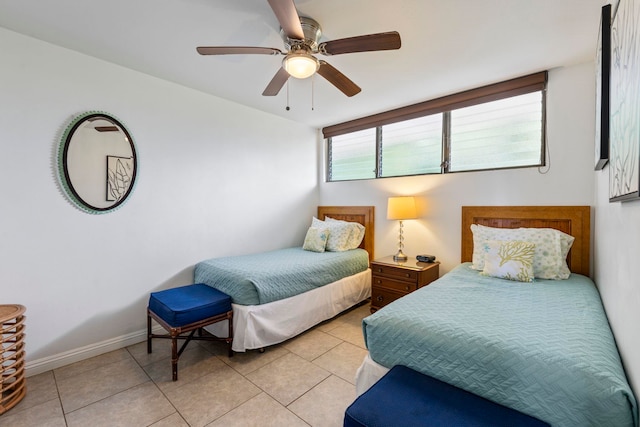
(404, 397)
(188, 309)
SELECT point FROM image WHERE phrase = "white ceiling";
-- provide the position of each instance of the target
(447, 45)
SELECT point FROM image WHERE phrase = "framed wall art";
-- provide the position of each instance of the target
(624, 139)
(603, 66)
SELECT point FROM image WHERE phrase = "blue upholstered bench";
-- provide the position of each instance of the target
(188, 309)
(404, 397)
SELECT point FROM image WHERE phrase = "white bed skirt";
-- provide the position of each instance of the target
(368, 374)
(258, 326)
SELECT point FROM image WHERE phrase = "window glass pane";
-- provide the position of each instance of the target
(412, 147)
(499, 134)
(353, 156)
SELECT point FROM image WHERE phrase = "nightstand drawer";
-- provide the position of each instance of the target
(391, 280)
(383, 282)
(381, 297)
(395, 272)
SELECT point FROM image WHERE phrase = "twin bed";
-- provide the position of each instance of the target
(544, 348)
(280, 294)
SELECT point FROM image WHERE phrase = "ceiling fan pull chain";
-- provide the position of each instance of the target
(313, 85)
(287, 96)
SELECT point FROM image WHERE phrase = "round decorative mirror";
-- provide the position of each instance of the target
(97, 162)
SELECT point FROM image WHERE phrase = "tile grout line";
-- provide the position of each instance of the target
(159, 389)
(55, 381)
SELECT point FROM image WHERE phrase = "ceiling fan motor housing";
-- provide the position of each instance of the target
(312, 33)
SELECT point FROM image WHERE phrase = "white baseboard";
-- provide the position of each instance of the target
(35, 367)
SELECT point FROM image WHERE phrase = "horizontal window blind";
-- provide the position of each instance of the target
(521, 85)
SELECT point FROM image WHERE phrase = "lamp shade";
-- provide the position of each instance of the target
(403, 207)
(300, 65)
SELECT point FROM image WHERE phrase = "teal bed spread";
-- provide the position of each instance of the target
(270, 276)
(543, 348)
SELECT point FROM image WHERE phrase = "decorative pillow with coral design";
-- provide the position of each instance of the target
(552, 246)
(511, 259)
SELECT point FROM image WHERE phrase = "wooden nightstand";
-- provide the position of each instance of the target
(391, 280)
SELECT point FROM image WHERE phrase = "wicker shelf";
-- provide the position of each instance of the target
(12, 378)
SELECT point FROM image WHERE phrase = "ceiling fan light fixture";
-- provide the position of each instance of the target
(300, 65)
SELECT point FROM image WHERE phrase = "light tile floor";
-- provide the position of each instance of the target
(306, 381)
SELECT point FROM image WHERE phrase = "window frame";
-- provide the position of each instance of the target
(536, 82)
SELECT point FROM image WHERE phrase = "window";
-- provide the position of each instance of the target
(353, 155)
(501, 134)
(493, 127)
(412, 147)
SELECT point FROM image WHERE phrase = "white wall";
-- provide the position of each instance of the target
(617, 271)
(569, 180)
(215, 179)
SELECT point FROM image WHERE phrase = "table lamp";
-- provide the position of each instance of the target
(401, 208)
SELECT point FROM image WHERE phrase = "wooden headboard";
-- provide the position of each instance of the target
(573, 220)
(365, 215)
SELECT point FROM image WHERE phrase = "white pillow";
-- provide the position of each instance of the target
(551, 249)
(339, 234)
(316, 239)
(566, 241)
(509, 259)
(357, 231)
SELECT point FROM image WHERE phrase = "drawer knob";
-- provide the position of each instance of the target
(407, 275)
(380, 298)
(406, 288)
(379, 281)
(379, 270)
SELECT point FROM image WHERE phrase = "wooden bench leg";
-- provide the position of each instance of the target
(148, 333)
(175, 353)
(174, 358)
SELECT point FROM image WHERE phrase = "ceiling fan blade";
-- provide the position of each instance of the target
(235, 50)
(276, 83)
(338, 79)
(367, 43)
(288, 18)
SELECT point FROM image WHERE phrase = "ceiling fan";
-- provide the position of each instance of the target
(301, 37)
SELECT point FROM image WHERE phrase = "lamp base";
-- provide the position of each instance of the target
(400, 257)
